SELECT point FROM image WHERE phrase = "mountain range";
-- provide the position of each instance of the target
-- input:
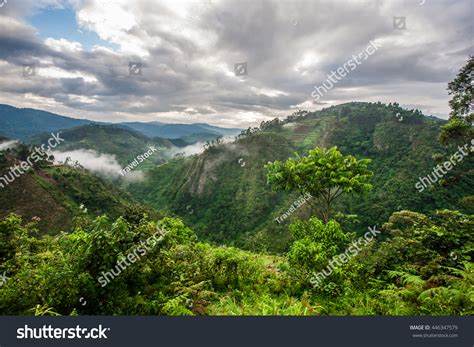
(25, 123)
(222, 191)
(228, 250)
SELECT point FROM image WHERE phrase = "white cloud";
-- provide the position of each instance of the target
(188, 50)
(54, 72)
(187, 151)
(99, 163)
(8, 144)
(63, 45)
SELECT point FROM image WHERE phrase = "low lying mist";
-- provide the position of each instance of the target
(99, 163)
(8, 144)
(195, 148)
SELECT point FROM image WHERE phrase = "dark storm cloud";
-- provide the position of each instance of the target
(187, 53)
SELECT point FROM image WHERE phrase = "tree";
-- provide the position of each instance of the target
(325, 174)
(459, 129)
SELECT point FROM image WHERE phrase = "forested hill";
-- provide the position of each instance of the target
(54, 195)
(222, 193)
(125, 144)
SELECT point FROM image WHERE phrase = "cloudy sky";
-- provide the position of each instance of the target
(184, 54)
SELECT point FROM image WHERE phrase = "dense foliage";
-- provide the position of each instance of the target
(422, 267)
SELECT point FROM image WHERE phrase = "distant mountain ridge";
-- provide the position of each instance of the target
(176, 131)
(25, 123)
(22, 123)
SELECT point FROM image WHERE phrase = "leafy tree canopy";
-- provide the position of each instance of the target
(459, 128)
(325, 174)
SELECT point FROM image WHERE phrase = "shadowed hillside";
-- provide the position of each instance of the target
(55, 193)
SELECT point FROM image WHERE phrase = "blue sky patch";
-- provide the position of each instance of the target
(61, 23)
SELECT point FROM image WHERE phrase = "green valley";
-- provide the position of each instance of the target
(271, 223)
(231, 203)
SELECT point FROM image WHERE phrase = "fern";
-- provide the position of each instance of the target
(407, 279)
